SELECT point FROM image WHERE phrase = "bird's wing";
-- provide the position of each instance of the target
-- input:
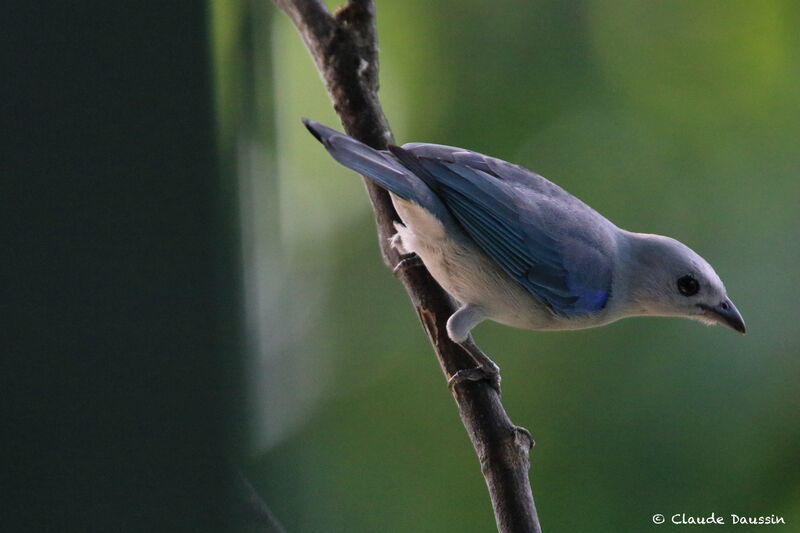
(546, 239)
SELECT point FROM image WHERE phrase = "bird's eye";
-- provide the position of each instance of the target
(688, 286)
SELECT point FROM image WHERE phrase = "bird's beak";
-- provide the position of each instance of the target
(725, 313)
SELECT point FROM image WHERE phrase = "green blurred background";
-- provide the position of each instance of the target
(680, 118)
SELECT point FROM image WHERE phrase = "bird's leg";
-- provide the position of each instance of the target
(458, 327)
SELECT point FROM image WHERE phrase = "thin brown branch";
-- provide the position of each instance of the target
(344, 48)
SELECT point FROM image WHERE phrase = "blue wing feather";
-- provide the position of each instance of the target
(496, 204)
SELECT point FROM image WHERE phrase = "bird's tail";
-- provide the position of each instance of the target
(381, 167)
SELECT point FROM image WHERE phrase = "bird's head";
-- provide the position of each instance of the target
(669, 279)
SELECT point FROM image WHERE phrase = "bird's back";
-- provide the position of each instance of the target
(557, 209)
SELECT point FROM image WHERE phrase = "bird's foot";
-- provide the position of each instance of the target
(478, 373)
(407, 263)
(485, 369)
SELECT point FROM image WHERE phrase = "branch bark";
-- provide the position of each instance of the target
(344, 48)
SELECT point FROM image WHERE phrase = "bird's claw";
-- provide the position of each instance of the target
(407, 263)
(478, 373)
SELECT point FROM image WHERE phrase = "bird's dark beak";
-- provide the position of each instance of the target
(725, 313)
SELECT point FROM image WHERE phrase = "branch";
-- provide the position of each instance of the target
(344, 48)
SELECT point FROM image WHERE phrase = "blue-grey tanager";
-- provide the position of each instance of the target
(512, 247)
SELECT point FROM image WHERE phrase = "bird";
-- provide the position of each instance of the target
(513, 247)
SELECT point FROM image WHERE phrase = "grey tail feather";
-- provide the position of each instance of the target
(321, 132)
(380, 167)
(412, 163)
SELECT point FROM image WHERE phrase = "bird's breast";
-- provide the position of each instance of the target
(458, 264)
